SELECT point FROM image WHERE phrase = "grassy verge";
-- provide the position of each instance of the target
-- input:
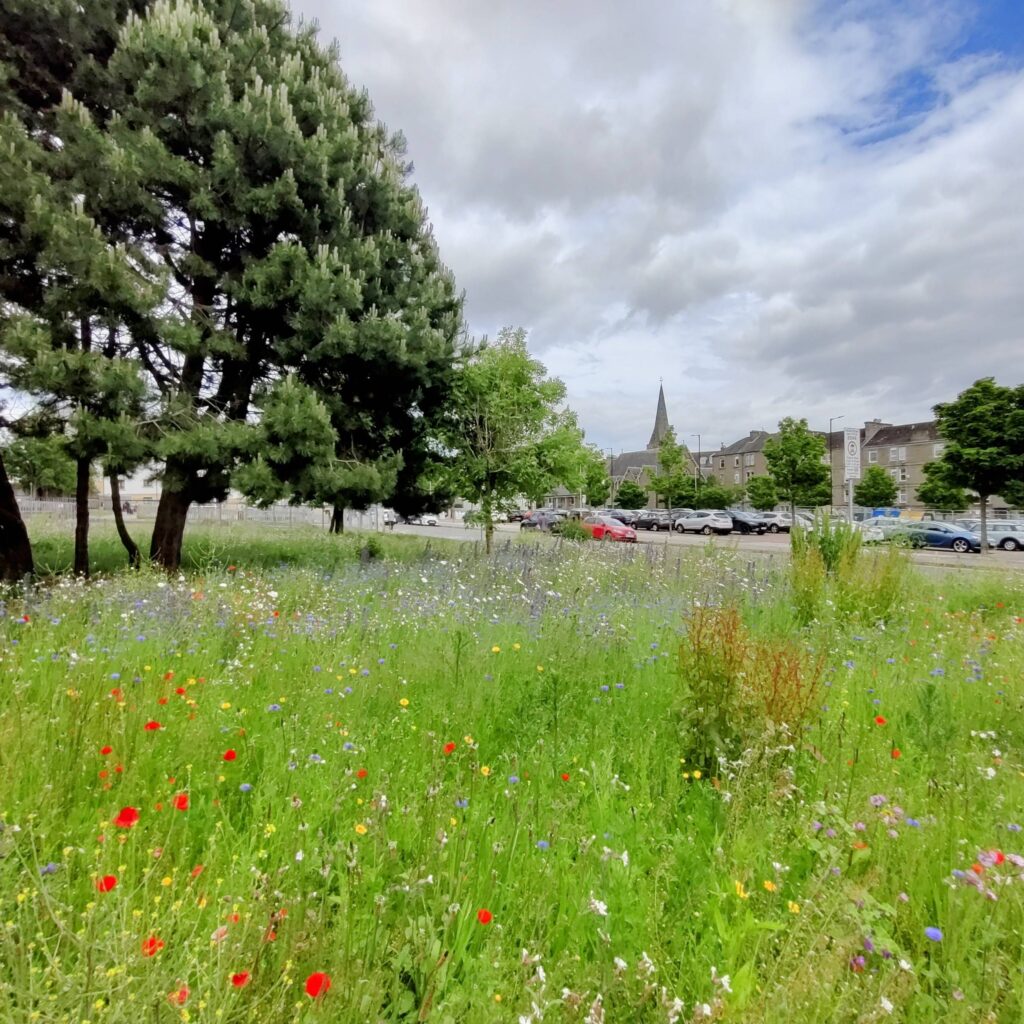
(506, 789)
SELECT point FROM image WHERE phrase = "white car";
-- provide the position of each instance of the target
(1007, 536)
(706, 521)
(424, 520)
(778, 522)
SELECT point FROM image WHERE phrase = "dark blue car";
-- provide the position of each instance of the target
(930, 534)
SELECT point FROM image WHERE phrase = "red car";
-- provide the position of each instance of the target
(606, 528)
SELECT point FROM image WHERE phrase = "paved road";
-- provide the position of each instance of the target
(774, 544)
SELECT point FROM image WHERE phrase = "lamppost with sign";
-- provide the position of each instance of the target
(831, 475)
(696, 476)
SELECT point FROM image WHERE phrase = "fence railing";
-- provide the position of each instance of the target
(63, 510)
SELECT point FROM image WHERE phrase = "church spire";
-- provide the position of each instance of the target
(660, 421)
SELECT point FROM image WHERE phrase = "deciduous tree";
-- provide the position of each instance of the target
(507, 431)
(984, 433)
(794, 457)
(876, 488)
(630, 495)
(761, 493)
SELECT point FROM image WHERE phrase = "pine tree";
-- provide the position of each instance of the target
(280, 210)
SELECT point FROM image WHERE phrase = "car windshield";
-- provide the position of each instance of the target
(610, 521)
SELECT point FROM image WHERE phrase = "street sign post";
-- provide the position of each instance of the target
(851, 454)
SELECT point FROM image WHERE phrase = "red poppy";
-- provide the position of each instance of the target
(977, 868)
(565, 776)
(449, 748)
(179, 690)
(161, 701)
(118, 768)
(197, 870)
(484, 916)
(361, 774)
(152, 946)
(104, 773)
(240, 980)
(178, 997)
(168, 675)
(229, 755)
(181, 802)
(151, 726)
(116, 693)
(126, 817)
(270, 936)
(106, 750)
(880, 720)
(106, 883)
(998, 856)
(317, 984)
(896, 753)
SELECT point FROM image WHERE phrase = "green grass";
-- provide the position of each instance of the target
(429, 735)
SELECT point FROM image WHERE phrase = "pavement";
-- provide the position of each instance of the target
(765, 544)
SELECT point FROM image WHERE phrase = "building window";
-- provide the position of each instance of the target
(898, 454)
(750, 474)
(736, 460)
(901, 497)
(736, 478)
(721, 463)
(748, 459)
(900, 474)
(937, 450)
(873, 456)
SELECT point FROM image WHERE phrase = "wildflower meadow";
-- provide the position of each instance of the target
(560, 783)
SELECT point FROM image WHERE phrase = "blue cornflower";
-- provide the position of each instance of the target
(245, 787)
(273, 707)
(542, 844)
(513, 780)
(933, 933)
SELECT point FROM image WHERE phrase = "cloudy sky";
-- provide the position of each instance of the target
(781, 207)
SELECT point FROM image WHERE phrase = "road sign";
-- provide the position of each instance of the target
(851, 450)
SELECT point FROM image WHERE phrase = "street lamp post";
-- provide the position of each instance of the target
(831, 475)
(696, 464)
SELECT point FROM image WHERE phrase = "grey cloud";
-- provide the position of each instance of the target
(686, 190)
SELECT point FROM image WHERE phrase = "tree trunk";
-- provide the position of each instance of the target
(338, 519)
(169, 529)
(82, 467)
(983, 499)
(486, 509)
(134, 559)
(15, 549)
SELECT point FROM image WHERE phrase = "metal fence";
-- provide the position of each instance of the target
(226, 512)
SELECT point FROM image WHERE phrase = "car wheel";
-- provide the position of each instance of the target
(654, 527)
(679, 529)
(959, 544)
(1009, 544)
(774, 528)
(706, 530)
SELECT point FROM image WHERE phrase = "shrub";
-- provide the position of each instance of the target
(574, 530)
(736, 689)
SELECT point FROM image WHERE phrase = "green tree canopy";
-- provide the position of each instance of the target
(630, 495)
(794, 458)
(937, 493)
(507, 431)
(984, 433)
(875, 489)
(761, 493)
(673, 484)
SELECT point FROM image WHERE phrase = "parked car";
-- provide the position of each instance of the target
(706, 521)
(626, 516)
(517, 515)
(869, 530)
(776, 522)
(654, 519)
(426, 519)
(607, 528)
(744, 522)
(675, 513)
(1008, 536)
(543, 519)
(937, 535)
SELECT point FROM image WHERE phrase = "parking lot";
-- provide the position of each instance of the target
(765, 544)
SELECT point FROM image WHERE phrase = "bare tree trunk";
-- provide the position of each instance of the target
(82, 467)
(983, 499)
(169, 529)
(15, 549)
(134, 558)
(338, 519)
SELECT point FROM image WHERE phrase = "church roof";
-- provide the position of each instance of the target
(660, 421)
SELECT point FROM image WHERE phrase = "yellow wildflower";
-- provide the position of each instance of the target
(495, 649)
(360, 829)
(770, 886)
(404, 702)
(741, 892)
(793, 908)
(486, 770)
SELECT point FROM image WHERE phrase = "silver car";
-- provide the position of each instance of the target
(706, 521)
(1007, 536)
